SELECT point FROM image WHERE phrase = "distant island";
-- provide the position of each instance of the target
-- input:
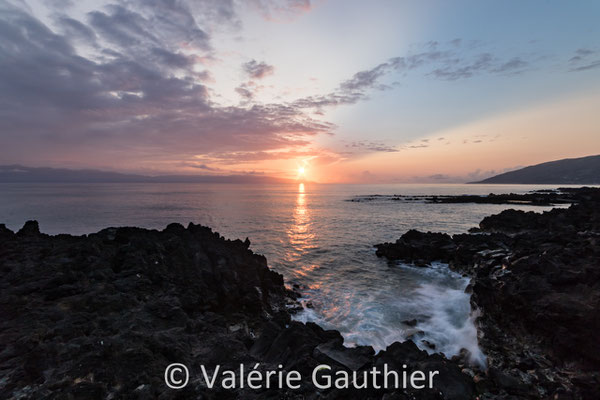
(22, 174)
(576, 171)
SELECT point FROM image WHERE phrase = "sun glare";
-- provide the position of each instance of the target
(301, 171)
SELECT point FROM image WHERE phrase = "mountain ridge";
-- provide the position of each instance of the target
(581, 170)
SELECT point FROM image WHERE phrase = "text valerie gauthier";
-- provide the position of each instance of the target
(177, 376)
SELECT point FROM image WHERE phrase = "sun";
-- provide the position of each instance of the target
(301, 171)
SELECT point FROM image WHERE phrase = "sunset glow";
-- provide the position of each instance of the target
(278, 198)
(250, 88)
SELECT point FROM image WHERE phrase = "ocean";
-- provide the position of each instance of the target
(320, 241)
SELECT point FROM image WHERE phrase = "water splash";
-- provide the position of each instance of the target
(428, 306)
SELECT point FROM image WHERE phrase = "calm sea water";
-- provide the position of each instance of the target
(310, 234)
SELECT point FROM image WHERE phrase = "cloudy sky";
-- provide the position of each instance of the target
(354, 91)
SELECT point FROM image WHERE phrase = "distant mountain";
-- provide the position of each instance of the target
(21, 174)
(576, 171)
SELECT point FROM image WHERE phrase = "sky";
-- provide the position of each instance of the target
(347, 91)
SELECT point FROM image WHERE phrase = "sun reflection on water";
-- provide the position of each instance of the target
(301, 235)
(304, 259)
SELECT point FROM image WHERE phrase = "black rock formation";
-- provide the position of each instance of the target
(536, 282)
(101, 317)
(546, 197)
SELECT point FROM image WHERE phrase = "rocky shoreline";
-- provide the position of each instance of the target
(546, 197)
(536, 283)
(100, 316)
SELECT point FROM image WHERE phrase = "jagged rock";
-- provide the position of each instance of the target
(5, 233)
(31, 228)
(418, 247)
(353, 358)
(536, 282)
(101, 316)
(451, 382)
(98, 316)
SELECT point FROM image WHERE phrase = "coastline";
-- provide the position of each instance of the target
(102, 315)
(535, 282)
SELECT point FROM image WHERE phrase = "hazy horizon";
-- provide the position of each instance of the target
(327, 91)
(17, 173)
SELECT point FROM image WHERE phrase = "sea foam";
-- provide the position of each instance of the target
(432, 309)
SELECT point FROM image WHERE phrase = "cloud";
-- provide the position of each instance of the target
(317, 156)
(257, 70)
(440, 177)
(369, 78)
(480, 174)
(454, 69)
(203, 167)
(352, 90)
(134, 97)
(245, 92)
(371, 146)
(514, 64)
(472, 176)
(121, 26)
(75, 29)
(580, 54)
(128, 82)
(584, 59)
(172, 59)
(446, 61)
(281, 9)
(61, 4)
(592, 65)
(434, 178)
